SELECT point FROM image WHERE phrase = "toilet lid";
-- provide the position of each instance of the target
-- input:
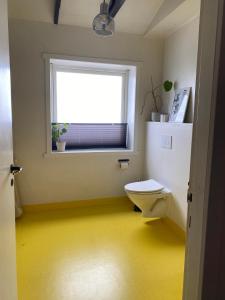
(148, 186)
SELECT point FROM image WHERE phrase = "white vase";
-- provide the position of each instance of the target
(61, 146)
(164, 118)
(155, 116)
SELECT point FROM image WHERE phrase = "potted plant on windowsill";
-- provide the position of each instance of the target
(155, 93)
(57, 131)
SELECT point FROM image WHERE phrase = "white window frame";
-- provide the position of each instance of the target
(134, 92)
(54, 68)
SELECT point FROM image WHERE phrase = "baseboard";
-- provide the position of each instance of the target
(177, 229)
(76, 204)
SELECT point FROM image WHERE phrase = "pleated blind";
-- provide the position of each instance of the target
(94, 136)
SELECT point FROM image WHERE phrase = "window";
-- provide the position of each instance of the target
(87, 97)
(93, 100)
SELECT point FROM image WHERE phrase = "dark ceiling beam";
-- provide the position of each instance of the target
(115, 6)
(57, 11)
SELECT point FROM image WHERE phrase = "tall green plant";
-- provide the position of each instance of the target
(155, 93)
(58, 130)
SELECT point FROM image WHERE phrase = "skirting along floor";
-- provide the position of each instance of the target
(103, 252)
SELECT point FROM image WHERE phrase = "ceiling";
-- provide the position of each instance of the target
(142, 17)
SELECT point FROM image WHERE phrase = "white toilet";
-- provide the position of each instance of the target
(150, 196)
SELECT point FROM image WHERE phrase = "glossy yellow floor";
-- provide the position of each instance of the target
(98, 253)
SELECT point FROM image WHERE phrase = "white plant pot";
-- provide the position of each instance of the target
(61, 146)
(155, 116)
(164, 118)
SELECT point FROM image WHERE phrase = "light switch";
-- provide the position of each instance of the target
(166, 141)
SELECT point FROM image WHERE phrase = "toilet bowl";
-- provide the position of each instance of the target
(150, 196)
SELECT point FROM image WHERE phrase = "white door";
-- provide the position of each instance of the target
(8, 289)
(208, 61)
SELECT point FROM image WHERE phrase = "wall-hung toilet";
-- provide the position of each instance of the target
(150, 196)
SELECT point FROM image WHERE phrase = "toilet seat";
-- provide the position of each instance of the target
(144, 187)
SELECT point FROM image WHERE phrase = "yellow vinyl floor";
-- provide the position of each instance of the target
(98, 253)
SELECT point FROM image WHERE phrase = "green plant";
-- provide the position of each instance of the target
(168, 85)
(155, 93)
(58, 130)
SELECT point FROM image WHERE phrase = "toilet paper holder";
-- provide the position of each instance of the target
(124, 163)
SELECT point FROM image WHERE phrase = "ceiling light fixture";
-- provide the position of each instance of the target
(103, 23)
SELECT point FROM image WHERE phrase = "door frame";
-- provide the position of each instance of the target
(204, 163)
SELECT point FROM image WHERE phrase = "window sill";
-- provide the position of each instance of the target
(73, 153)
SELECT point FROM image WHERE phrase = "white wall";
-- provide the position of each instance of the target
(171, 167)
(180, 63)
(81, 176)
